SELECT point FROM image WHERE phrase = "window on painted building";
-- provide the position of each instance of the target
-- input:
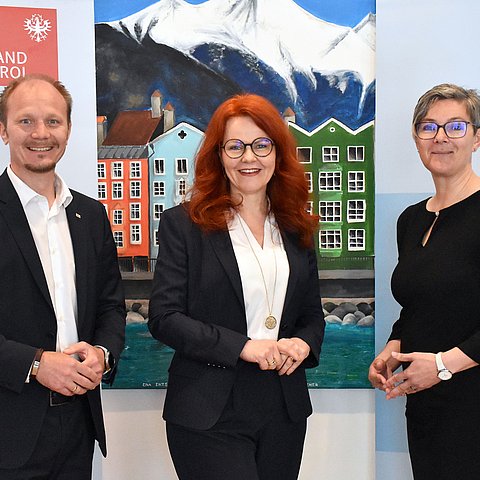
(308, 176)
(158, 189)
(356, 181)
(356, 154)
(117, 170)
(135, 170)
(117, 190)
(330, 181)
(158, 210)
(356, 210)
(102, 191)
(181, 166)
(135, 211)
(330, 211)
(135, 189)
(304, 154)
(135, 234)
(118, 238)
(117, 217)
(181, 187)
(356, 239)
(309, 207)
(330, 239)
(330, 154)
(101, 170)
(155, 238)
(159, 166)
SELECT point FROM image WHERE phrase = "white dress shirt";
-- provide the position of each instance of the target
(49, 227)
(273, 263)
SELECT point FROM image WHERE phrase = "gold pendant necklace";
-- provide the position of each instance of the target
(270, 321)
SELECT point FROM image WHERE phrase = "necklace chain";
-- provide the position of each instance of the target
(270, 321)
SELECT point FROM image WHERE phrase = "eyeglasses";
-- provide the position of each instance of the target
(429, 130)
(261, 147)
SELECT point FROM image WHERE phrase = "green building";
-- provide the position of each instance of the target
(339, 166)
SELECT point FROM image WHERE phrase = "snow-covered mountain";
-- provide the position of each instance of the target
(279, 33)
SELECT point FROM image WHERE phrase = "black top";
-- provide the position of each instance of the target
(438, 287)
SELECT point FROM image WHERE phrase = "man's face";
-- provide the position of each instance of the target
(36, 128)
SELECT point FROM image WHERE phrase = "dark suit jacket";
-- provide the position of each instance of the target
(197, 308)
(27, 318)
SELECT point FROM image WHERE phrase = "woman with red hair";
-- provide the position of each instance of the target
(236, 295)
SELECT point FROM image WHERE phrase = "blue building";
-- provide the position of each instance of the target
(171, 172)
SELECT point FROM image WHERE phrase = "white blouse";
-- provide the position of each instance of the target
(256, 264)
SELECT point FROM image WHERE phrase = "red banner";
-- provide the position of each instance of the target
(28, 42)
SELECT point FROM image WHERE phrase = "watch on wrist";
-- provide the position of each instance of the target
(36, 363)
(108, 360)
(443, 373)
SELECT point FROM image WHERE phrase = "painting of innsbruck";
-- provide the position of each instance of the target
(163, 66)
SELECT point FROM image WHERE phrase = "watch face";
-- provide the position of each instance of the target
(444, 374)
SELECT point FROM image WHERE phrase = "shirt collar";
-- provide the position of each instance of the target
(63, 196)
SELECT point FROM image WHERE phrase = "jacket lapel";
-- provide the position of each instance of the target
(222, 246)
(294, 260)
(78, 234)
(12, 211)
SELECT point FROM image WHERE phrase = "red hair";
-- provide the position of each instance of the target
(210, 200)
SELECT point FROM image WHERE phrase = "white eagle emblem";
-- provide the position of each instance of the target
(37, 27)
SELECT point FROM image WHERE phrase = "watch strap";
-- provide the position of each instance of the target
(439, 362)
(36, 363)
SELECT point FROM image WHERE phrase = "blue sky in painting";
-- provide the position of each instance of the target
(341, 12)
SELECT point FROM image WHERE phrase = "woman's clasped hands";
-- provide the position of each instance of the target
(284, 355)
(420, 374)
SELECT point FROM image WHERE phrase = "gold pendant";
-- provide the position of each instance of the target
(270, 322)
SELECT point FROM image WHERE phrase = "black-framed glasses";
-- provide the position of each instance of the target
(261, 147)
(429, 130)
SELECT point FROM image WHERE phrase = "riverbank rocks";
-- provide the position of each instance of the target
(361, 314)
(137, 311)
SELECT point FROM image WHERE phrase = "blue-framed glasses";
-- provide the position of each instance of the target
(261, 147)
(429, 130)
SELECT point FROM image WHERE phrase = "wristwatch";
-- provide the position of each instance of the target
(108, 359)
(443, 372)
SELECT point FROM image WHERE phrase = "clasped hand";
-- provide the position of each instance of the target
(284, 355)
(419, 375)
(63, 373)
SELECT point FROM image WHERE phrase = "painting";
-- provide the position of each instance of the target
(163, 67)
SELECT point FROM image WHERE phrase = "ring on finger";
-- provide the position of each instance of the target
(75, 388)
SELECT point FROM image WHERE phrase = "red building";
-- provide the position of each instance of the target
(123, 180)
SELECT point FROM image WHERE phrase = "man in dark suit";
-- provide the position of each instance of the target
(62, 312)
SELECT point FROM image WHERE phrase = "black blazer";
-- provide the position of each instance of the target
(27, 318)
(197, 308)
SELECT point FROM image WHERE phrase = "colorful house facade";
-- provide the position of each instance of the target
(122, 188)
(339, 166)
(171, 172)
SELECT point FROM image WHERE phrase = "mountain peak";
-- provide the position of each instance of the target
(260, 29)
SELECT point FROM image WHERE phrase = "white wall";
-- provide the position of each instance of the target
(339, 444)
(446, 34)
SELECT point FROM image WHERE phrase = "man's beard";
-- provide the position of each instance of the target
(42, 168)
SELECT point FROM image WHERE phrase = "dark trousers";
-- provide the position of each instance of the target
(64, 449)
(254, 438)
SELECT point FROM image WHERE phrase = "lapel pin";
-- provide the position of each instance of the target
(78, 215)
